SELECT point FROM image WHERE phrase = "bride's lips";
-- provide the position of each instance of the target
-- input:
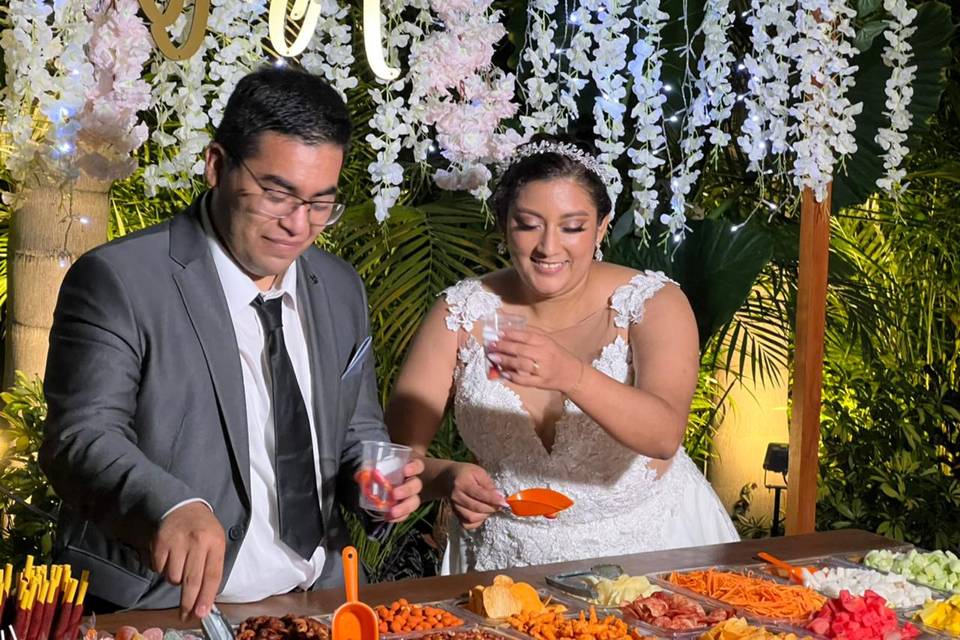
(548, 267)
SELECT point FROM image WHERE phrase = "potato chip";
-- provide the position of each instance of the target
(527, 597)
(503, 580)
(498, 602)
(475, 599)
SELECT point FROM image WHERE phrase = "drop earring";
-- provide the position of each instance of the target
(502, 247)
(598, 254)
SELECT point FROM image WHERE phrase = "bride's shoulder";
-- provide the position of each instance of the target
(469, 300)
(632, 290)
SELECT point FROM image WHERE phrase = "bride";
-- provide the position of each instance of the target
(591, 399)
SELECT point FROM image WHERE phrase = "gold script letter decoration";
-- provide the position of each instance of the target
(373, 41)
(160, 20)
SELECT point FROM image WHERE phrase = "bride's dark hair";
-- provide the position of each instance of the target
(548, 166)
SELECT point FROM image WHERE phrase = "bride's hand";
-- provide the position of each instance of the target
(531, 358)
(473, 495)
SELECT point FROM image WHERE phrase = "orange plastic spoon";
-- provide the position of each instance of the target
(795, 573)
(354, 620)
(538, 502)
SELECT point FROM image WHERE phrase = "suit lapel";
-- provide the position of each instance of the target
(320, 334)
(207, 308)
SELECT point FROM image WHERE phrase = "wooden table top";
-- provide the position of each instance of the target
(443, 587)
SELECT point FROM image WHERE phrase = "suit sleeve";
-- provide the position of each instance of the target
(92, 381)
(366, 423)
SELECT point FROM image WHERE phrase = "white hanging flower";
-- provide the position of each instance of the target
(899, 92)
(395, 122)
(649, 143)
(577, 57)
(539, 90)
(712, 104)
(330, 51)
(824, 114)
(609, 61)
(766, 126)
(48, 75)
(386, 138)
(187, 104)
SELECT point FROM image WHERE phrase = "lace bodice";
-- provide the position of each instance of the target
(619, 503)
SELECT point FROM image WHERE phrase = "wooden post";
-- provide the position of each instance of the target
(808, 363)
(46, 233)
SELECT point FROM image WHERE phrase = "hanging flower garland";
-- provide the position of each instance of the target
(539, 89)
(609, 61)
(110, 129)
(457, 90)
(899, 92)
(48, 78)
(824, 114)
(190, 95)
(575, 77)
(766, 126)
(649, 143)
(330, 51)
(392, 122)
(711, 106)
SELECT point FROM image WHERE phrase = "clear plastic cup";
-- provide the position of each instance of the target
(381, 469)
(492, 327)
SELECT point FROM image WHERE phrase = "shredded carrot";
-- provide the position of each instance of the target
(754, 594)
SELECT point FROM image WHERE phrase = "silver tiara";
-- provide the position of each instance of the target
(605, 172)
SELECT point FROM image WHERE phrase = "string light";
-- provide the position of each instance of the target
(63, 259)
(677, 238)
(741, 67)
(573, 19)
(668, 87)
(736, 227)
(279, 63)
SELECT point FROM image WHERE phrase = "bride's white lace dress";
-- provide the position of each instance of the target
(620, 505)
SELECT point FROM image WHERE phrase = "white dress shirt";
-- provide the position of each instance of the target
(265, 566)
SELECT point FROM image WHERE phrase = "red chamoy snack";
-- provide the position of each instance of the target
(376, 488)
(864, 617)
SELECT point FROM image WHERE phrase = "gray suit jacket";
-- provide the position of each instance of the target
(146, 401)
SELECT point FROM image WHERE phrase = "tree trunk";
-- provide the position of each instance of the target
(51, 228)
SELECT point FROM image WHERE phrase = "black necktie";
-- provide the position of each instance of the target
(301, 523)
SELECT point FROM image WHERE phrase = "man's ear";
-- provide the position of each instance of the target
(214, 160)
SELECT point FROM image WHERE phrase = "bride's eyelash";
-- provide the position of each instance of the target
(574, 229)
(524, 227)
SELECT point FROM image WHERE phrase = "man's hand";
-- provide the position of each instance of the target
(188, 550)
(407, 495)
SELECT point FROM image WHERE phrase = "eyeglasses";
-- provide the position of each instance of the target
(277, 204)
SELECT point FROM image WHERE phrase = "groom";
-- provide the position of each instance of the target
(210, 379)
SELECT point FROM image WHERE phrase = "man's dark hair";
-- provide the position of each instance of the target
(284, 100)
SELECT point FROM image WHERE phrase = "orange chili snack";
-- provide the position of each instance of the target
(403, 617)
(552, 625)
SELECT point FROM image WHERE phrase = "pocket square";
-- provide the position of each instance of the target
(357, 357)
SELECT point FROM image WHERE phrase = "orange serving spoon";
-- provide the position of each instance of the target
(795, 573)
(354, 620)
(538, 502)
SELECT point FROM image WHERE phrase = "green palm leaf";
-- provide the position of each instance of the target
(408, 260)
